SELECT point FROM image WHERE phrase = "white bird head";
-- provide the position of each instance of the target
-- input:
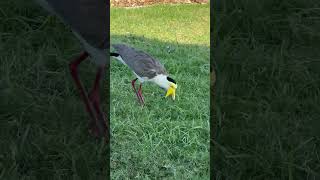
(167, 83)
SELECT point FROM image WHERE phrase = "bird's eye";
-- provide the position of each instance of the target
(170, 79)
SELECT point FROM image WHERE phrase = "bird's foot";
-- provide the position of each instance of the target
(98, 127)
(142, 101)
(141, 98)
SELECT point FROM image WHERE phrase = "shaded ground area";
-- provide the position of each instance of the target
(268, 90)
(43, 125)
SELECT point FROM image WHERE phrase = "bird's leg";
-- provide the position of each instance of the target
(99, 127)
(74, 73)
(140, 93)
(134, 88)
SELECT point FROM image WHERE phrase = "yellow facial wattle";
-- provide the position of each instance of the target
(172, 91)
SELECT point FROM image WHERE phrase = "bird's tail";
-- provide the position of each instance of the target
(118, 57)
(112, 54)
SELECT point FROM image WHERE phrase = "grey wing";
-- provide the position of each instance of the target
(86, 17)
(146, 66)
(140, 62)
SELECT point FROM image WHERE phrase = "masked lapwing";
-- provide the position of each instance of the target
(146, 68)
(88, 20)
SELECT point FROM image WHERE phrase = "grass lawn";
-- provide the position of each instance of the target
(43, 125)
(166, 139)
(268, 90)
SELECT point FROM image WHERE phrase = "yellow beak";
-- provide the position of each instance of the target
(172, 91)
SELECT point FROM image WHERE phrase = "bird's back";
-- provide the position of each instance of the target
(88, 18)
(140, 62)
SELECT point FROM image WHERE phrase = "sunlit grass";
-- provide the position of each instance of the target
(165, 139)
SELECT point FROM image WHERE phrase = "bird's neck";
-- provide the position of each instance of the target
(161, 80)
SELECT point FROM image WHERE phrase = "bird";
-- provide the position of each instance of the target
(88, 21)
(146, 68)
